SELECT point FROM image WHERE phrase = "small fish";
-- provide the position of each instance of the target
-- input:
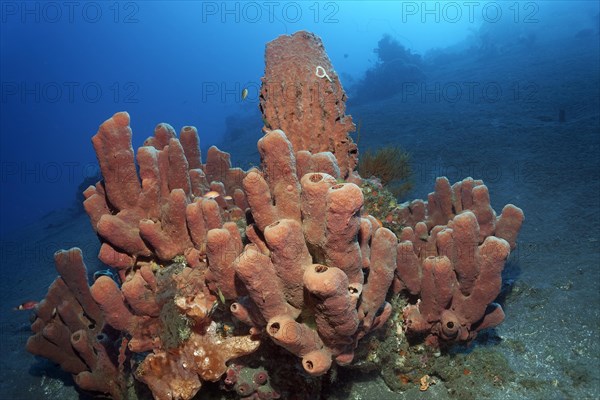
(244, 94)
(28, 305)
(211, 195)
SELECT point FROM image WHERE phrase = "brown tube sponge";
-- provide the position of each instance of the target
(72, 269)
(279, 169)
(381, 274)
(408, 267)
(222, 249)
(295, 337)
(290, 257)
(317, 362)
(466, 239)
(335, 308)
(450, 327)
(264, 287)
(364, 239)
(169, 237)
(491, 256)
(437, 287)
(344, 202)
(314, 189)
(178, 176)
(122, 234)
(439, 203)
(113, 148)
(188, 136)
(486, 216)
(110, 299)
(259, 198)
(509, 224)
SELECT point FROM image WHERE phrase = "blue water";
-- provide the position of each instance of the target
(65, 67)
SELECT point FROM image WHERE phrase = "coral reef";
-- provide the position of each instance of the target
(214, 263)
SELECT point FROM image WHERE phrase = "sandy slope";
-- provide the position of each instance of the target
(549, 169)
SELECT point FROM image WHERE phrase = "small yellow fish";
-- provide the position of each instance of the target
(244, 94)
